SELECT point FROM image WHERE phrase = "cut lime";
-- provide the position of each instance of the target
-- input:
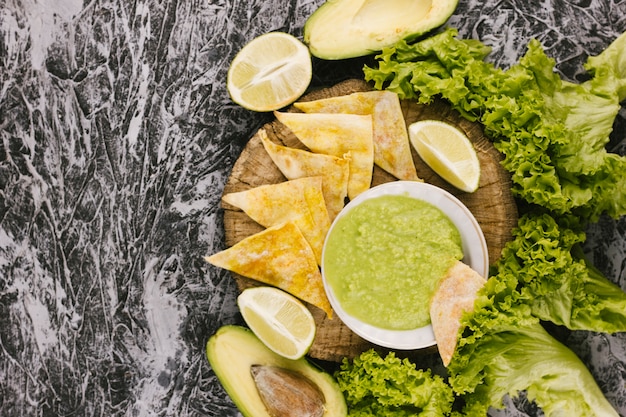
(270, 72)
(448, 151)
(281, 321)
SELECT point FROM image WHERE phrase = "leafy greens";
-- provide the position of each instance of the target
(507, 350)
(551, 132)
(392, 387)
(544, 263)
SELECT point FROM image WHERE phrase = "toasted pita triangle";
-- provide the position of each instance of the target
(300, 200)
(278, 256)
(455, 295)
(338, 134)
(392, 151)
(297, 163)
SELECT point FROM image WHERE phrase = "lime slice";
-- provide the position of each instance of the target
(281, 321)
(270, 72)
(448, 151)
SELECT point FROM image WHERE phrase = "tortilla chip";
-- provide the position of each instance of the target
(338, 134)
(392, 150)
(297, 163)
(278, 256)
(455, 295)
(300, 200)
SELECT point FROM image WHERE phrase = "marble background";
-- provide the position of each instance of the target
(117, 136)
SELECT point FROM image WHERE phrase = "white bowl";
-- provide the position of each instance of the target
(474, 250)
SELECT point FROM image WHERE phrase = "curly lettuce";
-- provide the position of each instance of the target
(506, 350)
(553, 278)
(609, 69)
(551, 132)
(375, 386)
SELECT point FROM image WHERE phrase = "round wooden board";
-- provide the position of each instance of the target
(492, 204)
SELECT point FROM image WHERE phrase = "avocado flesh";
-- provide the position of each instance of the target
(341, 29)
(232, 352)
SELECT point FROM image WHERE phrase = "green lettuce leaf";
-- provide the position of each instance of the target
(505, 350)
(392, 387)
(552, 277)
(609, 69)
(551, 132)
(509, 359)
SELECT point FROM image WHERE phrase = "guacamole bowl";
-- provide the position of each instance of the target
(385, 252)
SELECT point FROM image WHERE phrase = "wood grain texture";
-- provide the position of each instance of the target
(492, 204)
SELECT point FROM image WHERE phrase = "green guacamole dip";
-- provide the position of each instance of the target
(385, 256)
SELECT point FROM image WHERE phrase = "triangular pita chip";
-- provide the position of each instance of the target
(337, 135)
(279, 256)
(298, 163)
(455, 295)
(392, 150)
(300, 200)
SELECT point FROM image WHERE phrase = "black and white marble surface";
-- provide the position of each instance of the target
(117, 137)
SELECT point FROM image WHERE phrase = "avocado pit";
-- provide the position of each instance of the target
(287, 393)
(262, 383)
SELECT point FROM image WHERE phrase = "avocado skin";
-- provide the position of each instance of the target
(233, 350)
(341, 29)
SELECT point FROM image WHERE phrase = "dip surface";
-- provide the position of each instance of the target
(385, 256)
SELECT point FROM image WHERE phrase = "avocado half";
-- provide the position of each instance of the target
(341, 29)
(233, 350)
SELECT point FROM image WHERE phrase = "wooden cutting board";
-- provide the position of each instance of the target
(492, 204)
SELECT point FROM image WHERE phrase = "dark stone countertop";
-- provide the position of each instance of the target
(117, 137)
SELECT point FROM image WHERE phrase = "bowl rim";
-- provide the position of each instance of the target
(475, 252)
